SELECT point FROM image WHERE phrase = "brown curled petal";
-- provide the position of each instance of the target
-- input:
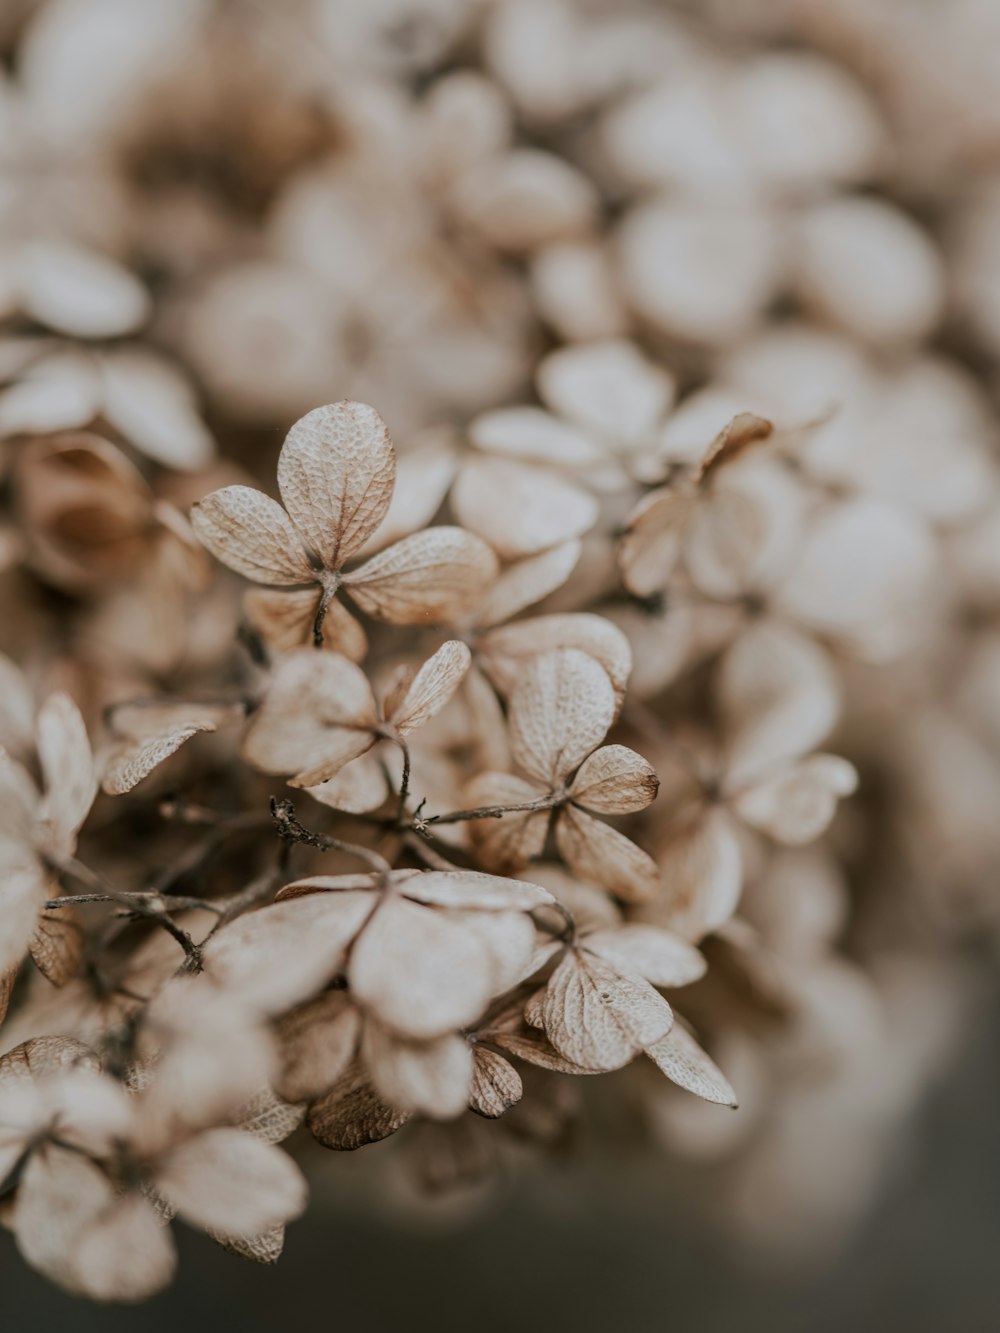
(496, 1084)
(252, 534)
(683, 1061)
(598, 1017)
(599, 854)
(352, 1114)
(433, 577)
(126, 766)
(614, 780)
(733, 440)
(336, 474)
(432, 687)
(560, 711)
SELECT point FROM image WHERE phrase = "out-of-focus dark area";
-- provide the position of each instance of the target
(598, 1249)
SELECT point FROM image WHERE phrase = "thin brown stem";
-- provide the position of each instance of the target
(422, 822)
(292, 830)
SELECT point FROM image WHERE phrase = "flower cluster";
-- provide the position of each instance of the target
(639, 719)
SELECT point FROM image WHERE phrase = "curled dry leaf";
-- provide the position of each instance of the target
(352, 1114)
(496, 1084)
(683, 1061)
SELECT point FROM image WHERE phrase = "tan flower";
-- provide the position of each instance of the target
(336, 474)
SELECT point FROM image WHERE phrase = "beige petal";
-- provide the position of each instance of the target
(561, 709)
(429, 1077)
(599, 854)
(607, 386)
(470, 889)
(503, 653)
(318, 714)
(432, 687)
(513, 840)
(57, 946)
(336, 474)
(520, 509)
(145, 719)
(778, 695)
(650, 549)
(269, 1117)
(24, 887)
(496, 1084)
(148, 402)
(723, 540)
(662, 958)
(796, 804)
(251, 533)
(513, 1034)
(280, 955)
(702, 873)
(67, 768)
(614, 780)
(433, 577)
(71, 1226)
(420, 972)
(317, 1042)
(263, 1249)
(17, 709)
(286, 620)
(352, 1113)
(423, 476)
(531, 434)
(596, 1016)
(232, 1182)
(510, 940)
(526, 582)
(683, 1061)
(42, 1057)
(360, 786)
(79, 292)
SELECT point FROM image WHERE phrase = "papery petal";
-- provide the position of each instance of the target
(230, 1181)
(683, 1061)
(251, 533)
(432, 687)
(796, 804)
(601, 855)
(520, 509)
(432, 577)
(614, 780)
(561, 709)
(430, 1077)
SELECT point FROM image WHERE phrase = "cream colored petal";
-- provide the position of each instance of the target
(520, 509)
(596, 1016)
(429, 1077)
(148, 402)
(269, 1117)
(336, 474)
(280, 955)
(24, 887)
(503, 653)
(421, 973)
(778, 696)
(614, 780)
(471, 889)
(702, 874)
(432, 687)
(607, 386)
(318, 714)
(510, 842)
(796, 804)
(530, 433)
(561, 709)
(80, 292)
(601, 855)
(423, 476)
(651, 547)
(251, 533)
(433, 577)
(496, 1084)
(232, 1182)
(526, 582)
(125, 1254)
(353, 1114)
(662, 958)
(317, 1042)
(683, 1061)
(67, 768)
(513, 1034)
(360, 786)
